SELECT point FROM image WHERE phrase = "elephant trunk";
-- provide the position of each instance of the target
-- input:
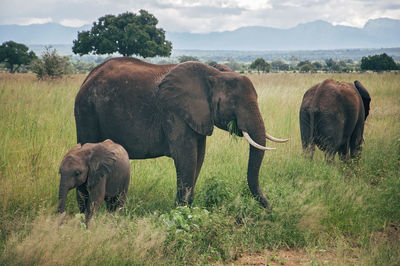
(253, 124)
(255, 159)
(62, 197)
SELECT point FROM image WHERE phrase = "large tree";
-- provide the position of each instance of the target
(378, 63)
(260, 64)
(127, 34)
(15, 55)
(279, 65)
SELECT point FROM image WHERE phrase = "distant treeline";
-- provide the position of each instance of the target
(310, 55)
(350, 60)
(245, 56)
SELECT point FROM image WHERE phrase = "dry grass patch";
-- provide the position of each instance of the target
(293, 257)
(109, 239)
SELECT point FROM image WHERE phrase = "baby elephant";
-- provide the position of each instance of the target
(98, 171)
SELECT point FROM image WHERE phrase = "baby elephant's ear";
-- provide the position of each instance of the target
(101, 161)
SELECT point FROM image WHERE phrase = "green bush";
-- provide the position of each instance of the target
(215, 193)
(196, 231)
(51, 65)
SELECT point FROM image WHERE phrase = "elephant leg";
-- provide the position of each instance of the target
(185, 159)
(96, 197)
(114, 203)
(82, 197)
(330, 155)
(183, 145)
(306, 131)
(330, 143)
(308, 150)
(201, 151)
(111, 204)
(343, 152)
(185, 171)
(356, 141)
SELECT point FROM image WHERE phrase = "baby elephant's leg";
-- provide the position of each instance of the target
(113, 203)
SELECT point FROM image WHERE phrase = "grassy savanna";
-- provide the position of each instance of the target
(322, 213)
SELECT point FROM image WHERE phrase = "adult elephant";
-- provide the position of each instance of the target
(168, 110)
(332, 116)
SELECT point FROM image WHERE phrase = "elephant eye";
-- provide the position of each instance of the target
(77, 172)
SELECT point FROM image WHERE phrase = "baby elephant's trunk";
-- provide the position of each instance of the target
(62, 198)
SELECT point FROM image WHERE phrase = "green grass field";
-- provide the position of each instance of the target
(322, 213)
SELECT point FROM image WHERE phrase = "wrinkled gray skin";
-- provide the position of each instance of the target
(98, 171)
(332, 116)
(168, 110)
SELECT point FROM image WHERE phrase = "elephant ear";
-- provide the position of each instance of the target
(364, 96)
(101, 162)
(73, 150)
(185, 91)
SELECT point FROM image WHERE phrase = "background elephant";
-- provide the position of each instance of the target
(222, 67)
(98, 171)
(332, 116)
(168, 110)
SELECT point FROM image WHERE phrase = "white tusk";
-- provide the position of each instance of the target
(255, 144)
(268, 136)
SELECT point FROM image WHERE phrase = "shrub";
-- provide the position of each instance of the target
(196, 231)
(51, 65)
(215, 193)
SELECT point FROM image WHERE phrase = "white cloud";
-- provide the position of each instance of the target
(74, 22)
(202, 15)
(29, 21)
(253, 4)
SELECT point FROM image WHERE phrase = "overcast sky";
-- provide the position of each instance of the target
(201, 15)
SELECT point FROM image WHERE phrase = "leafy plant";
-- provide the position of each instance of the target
(196, 231)
(233, 129)
(215, 193)
(185, 219)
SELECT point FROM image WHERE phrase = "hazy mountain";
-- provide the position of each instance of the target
(376, 33)
(48, 33)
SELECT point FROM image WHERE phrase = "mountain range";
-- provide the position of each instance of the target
(316, 35)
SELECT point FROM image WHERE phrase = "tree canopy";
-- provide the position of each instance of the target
(260, 64)
(279, 65)
(378, 63)
(127, 34)
(15, 54)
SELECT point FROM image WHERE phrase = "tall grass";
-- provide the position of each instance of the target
(349, 210)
